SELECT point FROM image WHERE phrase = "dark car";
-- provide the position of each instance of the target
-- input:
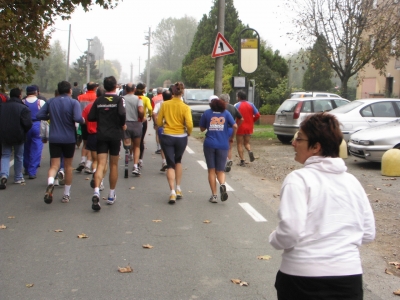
(197, 99)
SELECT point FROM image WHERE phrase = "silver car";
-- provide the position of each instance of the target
(293, 111)
(366, 113)
(372, 143)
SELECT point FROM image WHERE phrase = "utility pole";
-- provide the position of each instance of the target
(88, 62)
(69, 43)
(131, 73)
(148, 38)
(139, 67)
(219, 61)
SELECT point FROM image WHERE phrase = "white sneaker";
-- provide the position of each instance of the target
(111, 200)
(61, 175)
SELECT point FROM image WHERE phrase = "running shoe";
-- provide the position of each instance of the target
(179, 194)
(164, 167)
(32, 177)
(48, 195)
(19, 181)
(251, 156)
(213, 199)
(158, 151)
(80, 167)
(56, 182)
(228, 166)
(96, 202)
(136, 171)
(224, 194)
(3, 183)
(242, 163)
(111, 200)
(101, 186)
(65, 199)
(87, 170)
(172, 199)
(60, 175)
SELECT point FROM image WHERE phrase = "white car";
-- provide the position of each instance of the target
(313, 95)
(372, 143)
(366, 113)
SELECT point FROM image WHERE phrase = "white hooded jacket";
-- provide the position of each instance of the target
(325, 216)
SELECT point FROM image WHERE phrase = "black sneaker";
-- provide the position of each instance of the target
(80, 167)
(48, 195)
(164, 167)
(251, 156)
(96, 202)
(158, 151)
(136, 171)
(228, 166)
(242, 163)
(224, 194)
(3, 183)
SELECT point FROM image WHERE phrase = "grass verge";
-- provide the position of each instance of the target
(260, 132)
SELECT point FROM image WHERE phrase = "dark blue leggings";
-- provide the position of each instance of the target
(173, 148)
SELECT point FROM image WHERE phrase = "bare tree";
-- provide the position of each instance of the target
(356, 32)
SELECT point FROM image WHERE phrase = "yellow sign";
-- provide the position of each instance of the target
(249, 43)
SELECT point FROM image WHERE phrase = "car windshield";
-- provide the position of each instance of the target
(198, 95)
(288, 105)
(347, 107)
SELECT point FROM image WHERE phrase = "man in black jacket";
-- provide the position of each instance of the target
(15, 122)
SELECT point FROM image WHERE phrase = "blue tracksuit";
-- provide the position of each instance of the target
(33, 145)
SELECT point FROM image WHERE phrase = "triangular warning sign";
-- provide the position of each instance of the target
(221, 47)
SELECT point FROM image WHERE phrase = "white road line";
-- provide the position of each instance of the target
(204, 165)
(189, 150)
(252, 212)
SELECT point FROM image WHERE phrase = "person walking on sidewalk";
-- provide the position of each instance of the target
(63, 112)
(176, 119)
(109, 113)
(325, 216)
(237, 116)
(218, 122)
(245, 130)
(33, 145)
(15, 122)
(133, 133)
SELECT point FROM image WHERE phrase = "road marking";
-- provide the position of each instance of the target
(189, 150)
(252, 212)
(204, 165)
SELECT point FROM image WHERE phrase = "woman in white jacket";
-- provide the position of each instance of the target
(325, 216)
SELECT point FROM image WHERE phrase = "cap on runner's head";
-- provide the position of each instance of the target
(213, 97)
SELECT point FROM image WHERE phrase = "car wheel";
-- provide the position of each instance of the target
(285, 139)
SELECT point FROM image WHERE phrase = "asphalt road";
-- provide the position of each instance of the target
(190, 259)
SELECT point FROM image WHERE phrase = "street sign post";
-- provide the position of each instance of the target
(221, 47)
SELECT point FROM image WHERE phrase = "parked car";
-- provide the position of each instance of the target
(197, 99)
(366, 113)
(372, 143)
(313, 95)
(293, 111)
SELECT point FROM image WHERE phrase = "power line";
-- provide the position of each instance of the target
(76, 43)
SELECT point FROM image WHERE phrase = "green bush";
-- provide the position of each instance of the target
(268, 109)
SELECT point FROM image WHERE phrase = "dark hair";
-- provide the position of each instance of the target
(37, 87)
(64, 87)
(100, 92)
(323, 128)
(75, 83)
(15, 92)
(241, 95)
(177, 88)
(130, 87)
(91, 86)
(110, 83)
(166, 95)
(140, 87)
(217, 105)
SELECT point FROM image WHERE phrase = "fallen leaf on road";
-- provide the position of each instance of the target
(2, 226)
(82, 236)
(206, 221)
(377, 200)
(236, 281)
(147, 246)
(378, 189)
(58, 230)
(388, 184)
(369, 185)
(127, 269)
(104, 198)
(11, 217)
(275, 195)
(394, 263)
(156, 221)
(273, 167)
(132, 188)
(397, 293)
(190, 191)
(87, 178)
(263, 179)
(264, 257)
(389, 178)
(243, 283)
(29, 285)
(388, 272)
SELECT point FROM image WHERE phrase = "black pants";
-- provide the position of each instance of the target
(144, 129)
(291, 287)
